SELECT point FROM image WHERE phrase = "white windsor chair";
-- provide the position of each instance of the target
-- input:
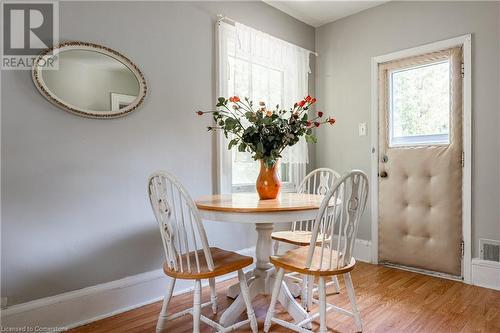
(318, 181)
(331, 255)
(188, 255)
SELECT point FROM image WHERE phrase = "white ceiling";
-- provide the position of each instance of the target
(317, 13)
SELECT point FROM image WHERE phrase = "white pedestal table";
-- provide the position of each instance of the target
(247, 208)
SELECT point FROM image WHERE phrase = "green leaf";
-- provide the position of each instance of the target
(260, 148)
(230, 124)
(220, 102)
(311, 139)
(242, 147)
(232, 143)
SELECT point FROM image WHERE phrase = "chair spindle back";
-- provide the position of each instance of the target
(341, 208)
(318, 181)
(180, 224)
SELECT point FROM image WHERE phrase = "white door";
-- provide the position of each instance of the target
(420, 161)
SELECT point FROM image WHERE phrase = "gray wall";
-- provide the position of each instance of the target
(343, 84)
(74, 207)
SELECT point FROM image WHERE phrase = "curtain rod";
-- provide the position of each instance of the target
(222, 18)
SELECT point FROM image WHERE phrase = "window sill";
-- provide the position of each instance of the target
(286, 187)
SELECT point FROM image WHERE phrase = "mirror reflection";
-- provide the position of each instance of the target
(92, 81)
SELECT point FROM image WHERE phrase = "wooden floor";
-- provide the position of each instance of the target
(390, 300)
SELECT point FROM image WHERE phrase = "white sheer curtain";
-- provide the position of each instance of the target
(264, 68)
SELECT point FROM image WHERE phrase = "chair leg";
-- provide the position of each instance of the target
(274, 299)
(307, 292)
(352, 298)
(276, 247)
(162, 319)
(197, 306)
(213, 295)
(303, 292)
(336, 284)
(248, 302)
(322, 305)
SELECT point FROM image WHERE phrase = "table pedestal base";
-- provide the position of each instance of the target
(261, 282)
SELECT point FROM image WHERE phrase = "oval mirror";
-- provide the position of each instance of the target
(89, 80)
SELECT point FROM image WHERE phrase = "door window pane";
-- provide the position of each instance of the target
(420, 105)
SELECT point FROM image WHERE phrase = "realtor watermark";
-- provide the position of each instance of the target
(44, 329)
(28, 29)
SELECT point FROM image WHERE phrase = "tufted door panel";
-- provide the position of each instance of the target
(420, 191)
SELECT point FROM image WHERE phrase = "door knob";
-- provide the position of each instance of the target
(383, 174)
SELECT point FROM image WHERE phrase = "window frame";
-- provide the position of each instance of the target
(286, 186)
(225, 29)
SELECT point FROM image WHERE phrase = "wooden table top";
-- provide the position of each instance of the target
(250, 202)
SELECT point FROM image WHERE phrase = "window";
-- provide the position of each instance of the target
(259, 82)
(255, 65)
(420, 105)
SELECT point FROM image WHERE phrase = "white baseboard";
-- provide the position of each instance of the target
(86, 305)
(363, 250)
(486, 273)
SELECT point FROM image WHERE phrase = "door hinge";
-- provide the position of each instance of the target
(462, 248)
(462, 70)
(463, 159)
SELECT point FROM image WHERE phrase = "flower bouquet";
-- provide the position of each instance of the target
(265, 133)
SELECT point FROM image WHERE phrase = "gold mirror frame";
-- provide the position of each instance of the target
(76, 45)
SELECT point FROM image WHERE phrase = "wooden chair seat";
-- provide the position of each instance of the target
(298, 237)
(294, 260)
(224, 262)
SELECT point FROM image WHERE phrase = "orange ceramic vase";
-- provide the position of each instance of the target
(268, 183)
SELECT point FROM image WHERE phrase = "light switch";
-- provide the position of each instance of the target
(362, 129)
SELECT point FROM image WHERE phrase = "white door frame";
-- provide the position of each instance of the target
(465, 42)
